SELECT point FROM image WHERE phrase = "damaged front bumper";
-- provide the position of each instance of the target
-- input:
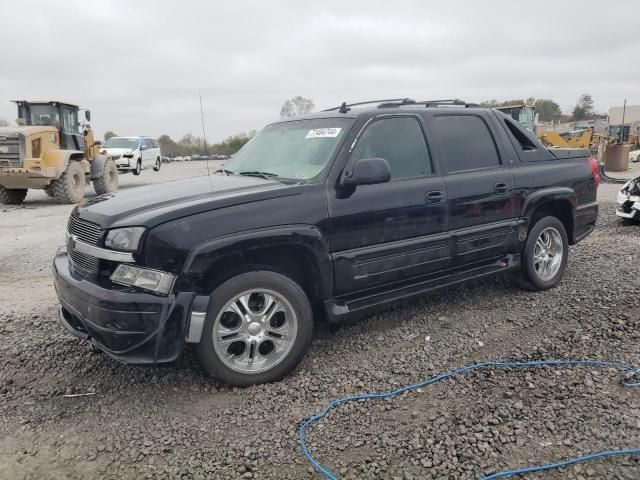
(129, 325)
(628, 200)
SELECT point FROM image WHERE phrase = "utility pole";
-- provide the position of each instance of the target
(624, 108)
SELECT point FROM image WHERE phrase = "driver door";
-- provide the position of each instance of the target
(389, 232)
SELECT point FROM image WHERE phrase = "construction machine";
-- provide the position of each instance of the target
(522, 113)
(581, 138)
(50, 149)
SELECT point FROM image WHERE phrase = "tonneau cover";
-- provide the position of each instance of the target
(561, 153)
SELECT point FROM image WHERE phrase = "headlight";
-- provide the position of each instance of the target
(152, 280)
(126, 239)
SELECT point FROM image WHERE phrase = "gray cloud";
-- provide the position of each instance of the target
(140, 66)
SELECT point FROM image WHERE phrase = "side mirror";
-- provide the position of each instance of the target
(87, 115)
(143, 147)
(368, 171)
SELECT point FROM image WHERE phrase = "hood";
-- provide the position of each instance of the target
(632, 187)
(155, 204)
(117, 151)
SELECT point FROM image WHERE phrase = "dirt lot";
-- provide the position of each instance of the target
(174, 422)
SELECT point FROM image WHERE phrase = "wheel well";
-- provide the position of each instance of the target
(291, 261)
(561, 209)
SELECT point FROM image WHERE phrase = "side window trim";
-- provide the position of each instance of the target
(372, 120)
(500, 165)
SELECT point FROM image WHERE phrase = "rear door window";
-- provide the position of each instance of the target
(465, 142)
(400, 141)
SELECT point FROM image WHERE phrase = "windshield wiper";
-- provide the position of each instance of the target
(258, 173)
(226, 172)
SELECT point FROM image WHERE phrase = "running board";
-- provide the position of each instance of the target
(338, 308)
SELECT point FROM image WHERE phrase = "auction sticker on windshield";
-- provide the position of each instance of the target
(323, 133)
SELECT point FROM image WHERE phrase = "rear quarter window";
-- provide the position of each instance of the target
(528, 147)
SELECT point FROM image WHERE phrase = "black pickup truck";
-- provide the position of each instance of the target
(315, 218)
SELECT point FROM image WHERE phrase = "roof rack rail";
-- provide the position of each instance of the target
(345, 107)
(399, 102)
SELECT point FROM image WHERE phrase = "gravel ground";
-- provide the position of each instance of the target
(174, 422)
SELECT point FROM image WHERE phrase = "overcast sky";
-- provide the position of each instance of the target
(139, 66)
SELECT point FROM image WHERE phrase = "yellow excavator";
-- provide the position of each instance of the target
(574, 139)
(50, 149)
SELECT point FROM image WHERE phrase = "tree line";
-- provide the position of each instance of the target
(194, 145)
(549, 111)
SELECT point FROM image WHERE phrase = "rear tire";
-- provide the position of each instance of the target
(258, 328)
(156, 167)
(545, 254)
(49, 191)
(108, 180)
(69, 188)
(138, 168)
(12, 196)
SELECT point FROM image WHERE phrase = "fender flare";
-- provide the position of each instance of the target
(307, 238)
(546, 195)
(59, 159)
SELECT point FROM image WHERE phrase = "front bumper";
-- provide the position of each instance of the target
(124, 163)
(130, 326)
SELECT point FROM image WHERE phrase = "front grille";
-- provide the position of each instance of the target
(84, 262)
(10, 151)
(86, 232)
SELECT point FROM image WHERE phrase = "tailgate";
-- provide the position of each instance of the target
(561, 153)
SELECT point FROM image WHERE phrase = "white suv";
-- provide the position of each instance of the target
(133, 154)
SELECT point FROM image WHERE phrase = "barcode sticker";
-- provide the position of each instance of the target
(323, 133)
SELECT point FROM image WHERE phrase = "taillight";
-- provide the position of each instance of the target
(595, 170)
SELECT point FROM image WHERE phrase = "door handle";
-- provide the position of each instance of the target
(500, 188)
(435, 197)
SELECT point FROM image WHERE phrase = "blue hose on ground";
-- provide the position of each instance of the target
(633, 372)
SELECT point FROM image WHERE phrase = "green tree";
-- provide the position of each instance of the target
(109, 134)
(233, 143)
(583, 109)
(167, 145)
(547, 110)
(296, 106)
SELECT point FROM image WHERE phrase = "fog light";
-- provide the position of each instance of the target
(152, 280)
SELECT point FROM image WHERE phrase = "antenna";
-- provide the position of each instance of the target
(204, 136)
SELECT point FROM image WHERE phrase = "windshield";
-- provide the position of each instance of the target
(42, 115)
(299, 149)
(119, 142)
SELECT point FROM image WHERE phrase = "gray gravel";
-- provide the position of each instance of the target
(174, 422)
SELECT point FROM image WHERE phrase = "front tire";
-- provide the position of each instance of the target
(138, 168)
(12, 196)
(545, 254)
(69, 188)
(258, 328)
(107, 182)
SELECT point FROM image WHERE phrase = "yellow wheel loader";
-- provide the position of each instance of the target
(50, 149)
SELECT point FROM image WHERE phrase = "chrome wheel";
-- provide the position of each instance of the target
(255, 331)
(547, 253)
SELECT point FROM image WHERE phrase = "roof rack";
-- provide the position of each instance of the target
(399, 102)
